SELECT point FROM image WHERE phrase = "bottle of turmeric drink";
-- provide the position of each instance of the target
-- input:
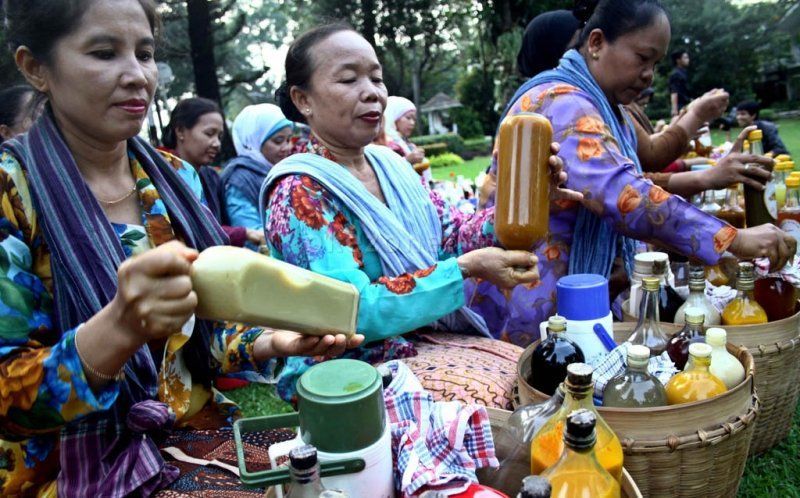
(547, 444)
(578, 473)
(522, 210)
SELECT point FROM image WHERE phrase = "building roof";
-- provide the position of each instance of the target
(440, 102)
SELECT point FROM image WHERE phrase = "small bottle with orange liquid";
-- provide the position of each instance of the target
(522, 211)
(547, 444)
(695, 383)
(578, 473)
(744, 309)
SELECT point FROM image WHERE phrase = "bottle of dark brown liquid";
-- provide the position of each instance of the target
(760, 206)
(550, 359)
(669, 301)
(731, 211)
(678, 345)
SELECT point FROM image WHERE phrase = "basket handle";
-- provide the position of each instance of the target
(265, 478)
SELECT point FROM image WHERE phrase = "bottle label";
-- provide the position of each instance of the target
(770, 201)
(792, 227)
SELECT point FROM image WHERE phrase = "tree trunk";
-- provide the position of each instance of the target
(201, 39)
(368, 15)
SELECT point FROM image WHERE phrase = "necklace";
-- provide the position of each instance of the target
(117, 201)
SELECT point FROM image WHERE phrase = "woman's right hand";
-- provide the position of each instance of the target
(505, 269)
(710, 105)
(765, 241)
(154, 293)
(415, 156)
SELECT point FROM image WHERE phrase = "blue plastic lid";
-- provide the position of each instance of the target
(583, 296)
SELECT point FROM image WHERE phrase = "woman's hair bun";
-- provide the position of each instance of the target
(284, 101)
(584, 9)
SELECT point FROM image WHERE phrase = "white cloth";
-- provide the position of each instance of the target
(253, 126)
(396, 108)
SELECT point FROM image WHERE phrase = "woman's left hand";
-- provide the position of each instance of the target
(558, 177)
(283, 343)
(256, 237)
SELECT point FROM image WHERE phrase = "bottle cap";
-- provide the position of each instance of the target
(651, 283)
(700, 350)
(783, 157)
(579, 374)
(697, 277)
(716, 336)
(580, 428)
(755, 135)
(637, 352)
(695, 315)
(793, 182)
(643, 262)
(535, 487)
(303, 457)
(556, 323)
(794, 174)
(583, 296)
(745, 280)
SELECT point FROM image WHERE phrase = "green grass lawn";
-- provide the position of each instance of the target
(470, 169)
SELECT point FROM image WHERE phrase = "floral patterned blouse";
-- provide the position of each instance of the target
(309, 227)
(42, 382)
(612, 190)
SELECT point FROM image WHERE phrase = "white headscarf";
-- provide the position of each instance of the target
(254, 126)
(396, 108)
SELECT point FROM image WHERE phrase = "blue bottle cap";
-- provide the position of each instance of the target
(583, 296)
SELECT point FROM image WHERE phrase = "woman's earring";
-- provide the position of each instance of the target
(308, 111)
(595, 56)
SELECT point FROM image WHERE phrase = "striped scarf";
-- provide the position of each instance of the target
(108, 453)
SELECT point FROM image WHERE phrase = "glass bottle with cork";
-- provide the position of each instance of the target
(760, 205)
(692, 331)
(696, 383)
(698, 299)
(744, 309)
(635, 387)
(550, 358)
(648, 330)
(547, 445)
(579, 473)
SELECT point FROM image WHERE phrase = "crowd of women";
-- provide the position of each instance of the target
(93, 363)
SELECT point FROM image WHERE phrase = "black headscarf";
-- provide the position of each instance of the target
(545, 40)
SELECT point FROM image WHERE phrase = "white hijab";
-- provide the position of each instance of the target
(396, 108)
(254, 126)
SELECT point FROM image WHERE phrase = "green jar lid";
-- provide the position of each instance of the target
(341, 405)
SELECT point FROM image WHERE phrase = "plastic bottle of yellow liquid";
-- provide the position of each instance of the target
(695, 383)
(724, 365)
(578, 473)
(547, 444)
(744, 309)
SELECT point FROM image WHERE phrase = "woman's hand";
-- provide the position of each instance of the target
(415, 156)
(283, 343)
(710, 105)
(737, 168)
(558, 177)
(154, 293)
(765, 241)
(738, 145)
(256, 237)
(505, 269)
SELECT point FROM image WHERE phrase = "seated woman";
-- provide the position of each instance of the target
(194, 134)
(399, 121)
(262, 137)
(99, 351)
(618, 47)
(358, 213)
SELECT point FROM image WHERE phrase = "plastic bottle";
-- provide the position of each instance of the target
(522, 212)
(724, 365)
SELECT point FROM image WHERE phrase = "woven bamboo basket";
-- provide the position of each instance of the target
(516, 466)
(775, 347)
(694, 450)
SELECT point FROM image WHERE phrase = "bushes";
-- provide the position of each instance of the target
(455, 143)
(468, 121)
(767, 114)
(447, 160)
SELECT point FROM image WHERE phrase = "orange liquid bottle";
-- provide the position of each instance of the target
(547, 444)
(744, 309)
(578, 473)
(522, 211)
(695, 383)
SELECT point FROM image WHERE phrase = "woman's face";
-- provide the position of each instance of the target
(346, 96)
(101, 78)
(278, 146)
(199, 145)
(625, 68)
(407, 123)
